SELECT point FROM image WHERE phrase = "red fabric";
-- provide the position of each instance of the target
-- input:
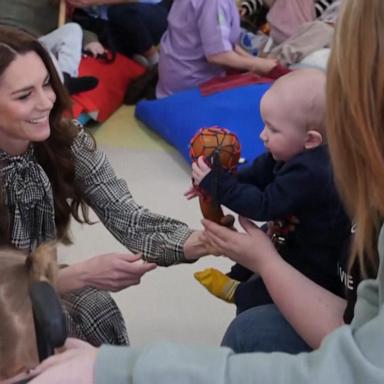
(234, 80)
(114, 78)
(278, 71)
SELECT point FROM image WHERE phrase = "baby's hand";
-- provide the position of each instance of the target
(200, 169)
(191, 193)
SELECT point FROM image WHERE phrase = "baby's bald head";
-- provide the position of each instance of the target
(301, 95)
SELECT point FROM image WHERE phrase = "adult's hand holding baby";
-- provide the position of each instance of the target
(253, 249)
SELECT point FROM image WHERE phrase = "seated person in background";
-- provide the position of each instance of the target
(201, 42)
(301, 26)
(294, 178)
(40, 18)
(135, 28)
(18, 348)
(250, 8)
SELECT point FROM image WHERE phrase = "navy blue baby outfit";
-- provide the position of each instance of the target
(302, 187)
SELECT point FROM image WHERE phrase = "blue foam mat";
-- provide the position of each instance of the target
(178, 117)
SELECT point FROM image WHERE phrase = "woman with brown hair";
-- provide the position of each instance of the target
(49, 171)
(351, 353)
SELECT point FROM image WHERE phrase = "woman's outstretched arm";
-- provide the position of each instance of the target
(313, 311)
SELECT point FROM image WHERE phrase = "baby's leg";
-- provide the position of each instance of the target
(217, 283)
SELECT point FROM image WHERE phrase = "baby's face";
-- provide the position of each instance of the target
(284, 133)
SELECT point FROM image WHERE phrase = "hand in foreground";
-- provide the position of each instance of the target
(200, 169)
(253, 248)
(115, 271)
(73, 366)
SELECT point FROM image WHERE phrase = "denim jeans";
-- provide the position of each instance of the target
(263, 329)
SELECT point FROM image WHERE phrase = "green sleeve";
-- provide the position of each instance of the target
(339, 360)
(351, 354)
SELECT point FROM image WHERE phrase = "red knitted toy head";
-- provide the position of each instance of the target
(216, 143)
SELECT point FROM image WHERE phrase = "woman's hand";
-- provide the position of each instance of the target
(75, 365)
(200, 169)
(114, 271)
(198, 245)
(253, 248)
(108, 272)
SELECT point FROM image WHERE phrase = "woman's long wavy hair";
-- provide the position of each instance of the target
(355, 121)
(54, 154)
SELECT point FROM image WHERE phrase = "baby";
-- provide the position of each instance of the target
(292, 179)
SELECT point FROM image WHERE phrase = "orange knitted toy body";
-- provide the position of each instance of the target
(220, 148)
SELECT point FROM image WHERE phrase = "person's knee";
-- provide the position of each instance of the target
(246, 331)
(263, 329)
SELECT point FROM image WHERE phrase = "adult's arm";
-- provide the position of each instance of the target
(345, 356)
(218, 24)
(117, 271)
(108, 272)
(313, 311)
(160, 239)
(350, 354)
(278, 199)
(235, 60)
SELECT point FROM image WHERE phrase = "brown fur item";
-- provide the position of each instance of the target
(18, 350)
